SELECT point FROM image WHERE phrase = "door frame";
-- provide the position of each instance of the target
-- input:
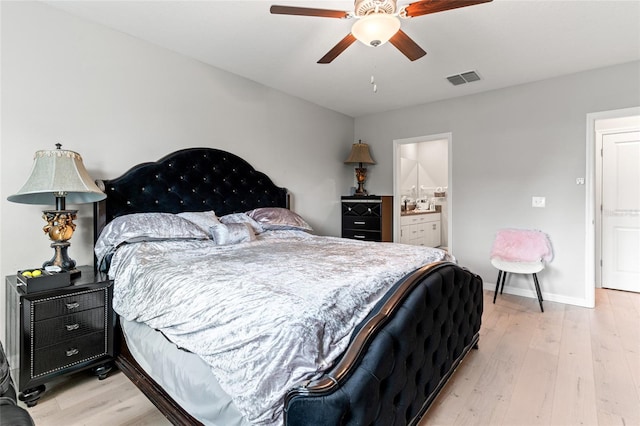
(590, 193)
(396, 182)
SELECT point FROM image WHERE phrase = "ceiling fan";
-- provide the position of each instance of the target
(377, 21)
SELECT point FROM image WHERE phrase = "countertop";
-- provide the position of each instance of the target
(416, 212)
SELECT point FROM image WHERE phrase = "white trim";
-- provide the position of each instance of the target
(546, 297)
(397, 192)
(590, 199)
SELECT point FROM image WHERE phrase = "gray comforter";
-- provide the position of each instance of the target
(265, 315)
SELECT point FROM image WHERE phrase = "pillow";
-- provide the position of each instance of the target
(278, 218)
(204, 220)
(232, 233)
(139, 227)
(242, 218)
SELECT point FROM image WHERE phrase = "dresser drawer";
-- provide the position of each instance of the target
(55, 330)
(370, 208)
(362, 235)
(370, 223)
(68, 353)
(413, 219)
(64, 305)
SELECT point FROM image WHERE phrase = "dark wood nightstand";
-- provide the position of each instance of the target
(60, 331)
(368, 218)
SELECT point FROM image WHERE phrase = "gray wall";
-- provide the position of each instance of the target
(119, 101)
(509, 145)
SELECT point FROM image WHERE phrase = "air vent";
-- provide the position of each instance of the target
(465, 77)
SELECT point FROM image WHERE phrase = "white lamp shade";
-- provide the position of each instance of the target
(58, 172)
(375, 29)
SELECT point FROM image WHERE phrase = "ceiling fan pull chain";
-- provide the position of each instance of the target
(375, 86)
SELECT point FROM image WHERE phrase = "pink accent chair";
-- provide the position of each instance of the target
(520, 251)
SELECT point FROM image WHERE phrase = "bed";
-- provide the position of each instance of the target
(387, 369)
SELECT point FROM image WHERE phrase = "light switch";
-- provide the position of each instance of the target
(538, 201)
(579, 181)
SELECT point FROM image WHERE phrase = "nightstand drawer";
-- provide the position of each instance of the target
(55, 330)
(68, 353)
(361, 235)
(64, 305)
(361, 222)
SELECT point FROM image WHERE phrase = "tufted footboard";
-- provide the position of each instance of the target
(401, 357)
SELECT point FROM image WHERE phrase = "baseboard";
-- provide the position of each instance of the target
(531, 293)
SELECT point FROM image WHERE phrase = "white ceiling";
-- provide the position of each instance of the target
(507, 42)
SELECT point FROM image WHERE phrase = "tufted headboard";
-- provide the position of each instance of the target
(194, 179)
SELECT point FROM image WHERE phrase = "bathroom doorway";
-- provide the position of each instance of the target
(423, 179)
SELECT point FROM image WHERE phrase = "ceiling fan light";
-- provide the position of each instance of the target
(375, 29)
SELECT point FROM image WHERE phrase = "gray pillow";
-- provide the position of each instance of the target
(133, 228)
(232, 233)
(242, 218)
(204, 220)
(278, 218)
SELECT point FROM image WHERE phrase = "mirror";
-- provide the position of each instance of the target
(423, 171)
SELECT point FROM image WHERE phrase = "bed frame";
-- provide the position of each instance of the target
(399, 357)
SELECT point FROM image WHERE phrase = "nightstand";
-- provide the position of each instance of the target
(368, 218)
(60, 331)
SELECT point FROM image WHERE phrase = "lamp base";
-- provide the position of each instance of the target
(361, 177)
(360, 190)
(62, 260)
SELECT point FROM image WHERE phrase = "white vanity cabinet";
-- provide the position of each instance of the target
(420, 229)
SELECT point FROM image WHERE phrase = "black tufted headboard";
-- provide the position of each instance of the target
(194, 179)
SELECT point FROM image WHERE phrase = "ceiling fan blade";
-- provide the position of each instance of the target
(306, 11)
(407, 46)
(426, 7)
(337, 49)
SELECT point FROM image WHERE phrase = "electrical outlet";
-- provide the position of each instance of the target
(579, 181)
(538, 202)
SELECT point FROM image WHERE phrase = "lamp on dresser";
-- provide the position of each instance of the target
(360, 155)
(58, 176)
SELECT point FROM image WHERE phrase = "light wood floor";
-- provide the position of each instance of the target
(566, 366)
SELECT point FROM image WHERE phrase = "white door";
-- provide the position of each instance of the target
(621, 211)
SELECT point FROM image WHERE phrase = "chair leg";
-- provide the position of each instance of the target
(535, 280)
(495, 293)
(504, 278)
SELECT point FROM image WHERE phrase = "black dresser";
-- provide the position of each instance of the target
(368, 218)
(59, 331)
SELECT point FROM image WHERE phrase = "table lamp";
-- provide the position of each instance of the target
(59, 176)
(360, 155)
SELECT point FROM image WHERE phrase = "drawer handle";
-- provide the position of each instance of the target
(434, 226)
(72, 305)
(362, 237)
(359, 223)
(349, 208)
(72, 352)
(71, 327)
(369, 209)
